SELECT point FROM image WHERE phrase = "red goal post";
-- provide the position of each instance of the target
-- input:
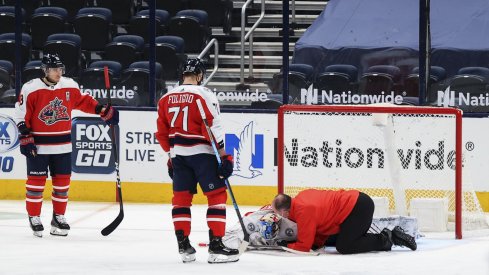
(302, 114)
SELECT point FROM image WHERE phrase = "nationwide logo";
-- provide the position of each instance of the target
(449, 98)
(122, 92)
(8, 134)
(248, 152)
(311, 96)
(92, 147)
(335, 155)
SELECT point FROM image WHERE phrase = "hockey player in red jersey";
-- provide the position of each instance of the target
(43, 116)
(182, 134)
(347, 214)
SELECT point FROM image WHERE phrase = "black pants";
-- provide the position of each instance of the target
(353, 236)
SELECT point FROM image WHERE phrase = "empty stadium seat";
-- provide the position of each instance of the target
(172, 6)
(301, 76)
(27, 5)
(449, 58)
(192, 26)
(8, 97)
(218, 11)
(411, 83)
(139, 23)
(6, 72)
(124, 49)
(337, 78)
(32, 70)
(47, 21)
(122, 10)
(170, 54)
(7, 47)
(7, 19)
(93, 25)
(68, 46)
(71, 6)
(137, 76)
(378, 79)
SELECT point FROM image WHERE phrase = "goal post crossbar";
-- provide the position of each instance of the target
(457, 113)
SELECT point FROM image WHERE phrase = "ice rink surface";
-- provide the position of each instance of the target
(145, 243)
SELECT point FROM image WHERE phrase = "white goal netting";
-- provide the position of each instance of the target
(401, 153)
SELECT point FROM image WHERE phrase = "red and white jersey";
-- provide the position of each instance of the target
(181, 130)
(46, 110)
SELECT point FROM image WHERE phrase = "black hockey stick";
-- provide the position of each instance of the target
(246, 239)
(113, 225)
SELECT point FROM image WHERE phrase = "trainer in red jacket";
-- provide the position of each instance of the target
(347, 214)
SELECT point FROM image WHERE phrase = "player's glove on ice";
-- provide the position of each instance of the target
(108, 114)
(226, 168)
(170, 168)
(26, 140)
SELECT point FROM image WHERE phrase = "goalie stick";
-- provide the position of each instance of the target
(282, 248)
(113, 225)
(246, 240)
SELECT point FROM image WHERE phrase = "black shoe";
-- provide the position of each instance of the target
(402, 239)
(219, 253)
(187, 252)
(59, 226)
(36, 226)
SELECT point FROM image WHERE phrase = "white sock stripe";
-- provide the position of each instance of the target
(216, 220)
(61, 187)
(182, 219)
(34, 186)
(222, 205)
(58, 199)
(33, 200)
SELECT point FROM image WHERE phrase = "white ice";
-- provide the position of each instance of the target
(145, 244)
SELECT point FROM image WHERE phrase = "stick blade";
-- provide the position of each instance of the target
(243, 246)
(113, 225)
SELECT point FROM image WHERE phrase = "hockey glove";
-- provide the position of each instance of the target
(108, 114)
(170, 168)
(26, 140)
(226, 168)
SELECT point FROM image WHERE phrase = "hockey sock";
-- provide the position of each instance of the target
(216, 212)
(181, 213)
(33, 199)
(61, 184)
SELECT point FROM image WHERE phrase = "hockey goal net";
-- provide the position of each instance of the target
(397, 152)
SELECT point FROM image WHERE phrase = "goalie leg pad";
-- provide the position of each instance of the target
(181, 213)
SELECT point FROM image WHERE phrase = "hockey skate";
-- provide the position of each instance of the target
(59, 226)
(187, 252)
(36, 226)
(219, 253)
(402, 239)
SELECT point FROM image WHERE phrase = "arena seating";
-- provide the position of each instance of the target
(6, 72)
(124, 49)
(32, 70)
(301, 76)
(7, 47)
(338, 78)
(379, 78)
(139, 23)
(7, 19)
(192, 26)
(411, 83)
(93, 25)
(68, 46)
(137, 75)
(47, 21)
(170, 52)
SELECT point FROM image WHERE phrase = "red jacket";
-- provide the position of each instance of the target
(318, 214)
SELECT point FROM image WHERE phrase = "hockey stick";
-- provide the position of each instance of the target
(282, 248)
(113, 225)
(246, 239)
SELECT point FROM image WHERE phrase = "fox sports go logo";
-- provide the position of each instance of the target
(8, 141)
(92, 147)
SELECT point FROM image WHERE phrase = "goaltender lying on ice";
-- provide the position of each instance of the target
(270, 232)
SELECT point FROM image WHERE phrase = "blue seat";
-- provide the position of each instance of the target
(337, 78)
(122, 10)
(8, 97)
(93, 25)
(124, 49)
(301, 76)
(379, 78)
(192, 26)
(6, 72)
(68, 46)
(71, 6)
(172, 6)
(170, 52)
(93, 78)
(137, 77)
(47, 21)
(7, 47)
(32, 70)
(411, 83)
(139, 23)
(219, 12)
(7, 19)
(27, 5)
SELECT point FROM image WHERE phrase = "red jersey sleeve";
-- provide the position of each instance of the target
(306, 228)
(163, 127)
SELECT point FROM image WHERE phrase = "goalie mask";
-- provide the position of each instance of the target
(268, 226)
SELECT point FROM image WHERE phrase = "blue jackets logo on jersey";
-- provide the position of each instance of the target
(54, 112)
(8, 134)
(92, 146)
(249, 152)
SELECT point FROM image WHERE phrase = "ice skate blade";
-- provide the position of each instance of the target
(59, 232)
(222, 259)
(37, 234)
(187, 258)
